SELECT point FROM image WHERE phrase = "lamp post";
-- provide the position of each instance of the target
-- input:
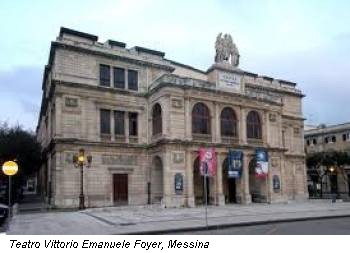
(10, 168)
(79, 162)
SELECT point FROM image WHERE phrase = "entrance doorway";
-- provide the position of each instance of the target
(156, 187)
(334, 184)
(349, 184)
(120, 189)
(228, 184)
(198, 184)
(257, 186)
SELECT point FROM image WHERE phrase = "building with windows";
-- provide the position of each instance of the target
(143, 118)
(327, 139)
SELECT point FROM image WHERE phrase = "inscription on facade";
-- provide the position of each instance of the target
(296, 131)
(69, 158)
(178, 157)
(274, 162)
(177, 103)
(272, 117)
(71, 102)
(229, 81)
(119, 160)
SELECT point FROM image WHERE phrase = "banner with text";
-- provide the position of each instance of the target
(207, 159)
(262, 165)
(235, 163)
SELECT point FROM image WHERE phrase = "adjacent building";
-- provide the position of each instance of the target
(327, 139)
(143, 118)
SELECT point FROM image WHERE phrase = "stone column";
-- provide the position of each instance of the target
(112, 125)
(126, 125)
(167, 180)
(217, 124)
(188, 123)
(247, 198)
(58, 115)
(220, 198)
(265, 127)
(189, 180)
(243, 127)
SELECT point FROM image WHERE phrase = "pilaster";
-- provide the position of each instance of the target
(189, 180)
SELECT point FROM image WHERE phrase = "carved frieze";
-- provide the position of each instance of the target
(263, 94)
(119, 159)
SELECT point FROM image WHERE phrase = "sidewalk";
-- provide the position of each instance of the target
(155, 219)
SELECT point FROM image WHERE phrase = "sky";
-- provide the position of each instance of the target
(307, 42)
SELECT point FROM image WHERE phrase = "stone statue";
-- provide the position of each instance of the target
(226, 50)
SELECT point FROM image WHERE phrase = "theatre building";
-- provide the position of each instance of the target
(143, 119)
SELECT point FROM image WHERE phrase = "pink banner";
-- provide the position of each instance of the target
(207, 159)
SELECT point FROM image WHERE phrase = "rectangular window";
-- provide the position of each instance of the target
(132, 124)
(334, 139)
(326, 140)
(105, 75)
(119, 78)
(119, 123)
(344, 137)
(105, 121)
(314, 141)
(132, 80)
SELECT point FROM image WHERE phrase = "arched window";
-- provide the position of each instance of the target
(156, 119)
(200, 119)
(228, 122)
(253, 125)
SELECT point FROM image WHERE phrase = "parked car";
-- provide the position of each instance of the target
(4, 210)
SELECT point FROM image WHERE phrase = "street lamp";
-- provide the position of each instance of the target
(10, 168)
(79, 162)
(333, 191)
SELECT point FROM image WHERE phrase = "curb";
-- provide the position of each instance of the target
(240, 224)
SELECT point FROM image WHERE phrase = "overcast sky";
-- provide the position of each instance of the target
(307, 42)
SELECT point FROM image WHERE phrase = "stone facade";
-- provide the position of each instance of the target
(327, 139)
(70, 119)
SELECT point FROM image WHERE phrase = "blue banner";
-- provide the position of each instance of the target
(262, 165)
(235, 163)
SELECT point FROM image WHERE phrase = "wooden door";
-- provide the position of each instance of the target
(120, 189)
(231, 190)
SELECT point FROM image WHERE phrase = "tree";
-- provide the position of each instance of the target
(19, 145)
(336, 159)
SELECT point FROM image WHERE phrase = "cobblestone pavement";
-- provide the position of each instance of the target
(154, 219)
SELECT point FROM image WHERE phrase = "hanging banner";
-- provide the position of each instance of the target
(235, 163)
(207, 160)
(262, 165)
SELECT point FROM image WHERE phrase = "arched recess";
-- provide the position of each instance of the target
(198, 184)
(254, 128)
(228, 184)
(156, 180)
(257, 186)
(200, 119)
(228, 122)
(157, 123)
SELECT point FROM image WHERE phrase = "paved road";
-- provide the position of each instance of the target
(335, 226)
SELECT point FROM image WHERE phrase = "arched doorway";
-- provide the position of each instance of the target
(156, 187)
(228, 184)
(256, 184)
(198, 185)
